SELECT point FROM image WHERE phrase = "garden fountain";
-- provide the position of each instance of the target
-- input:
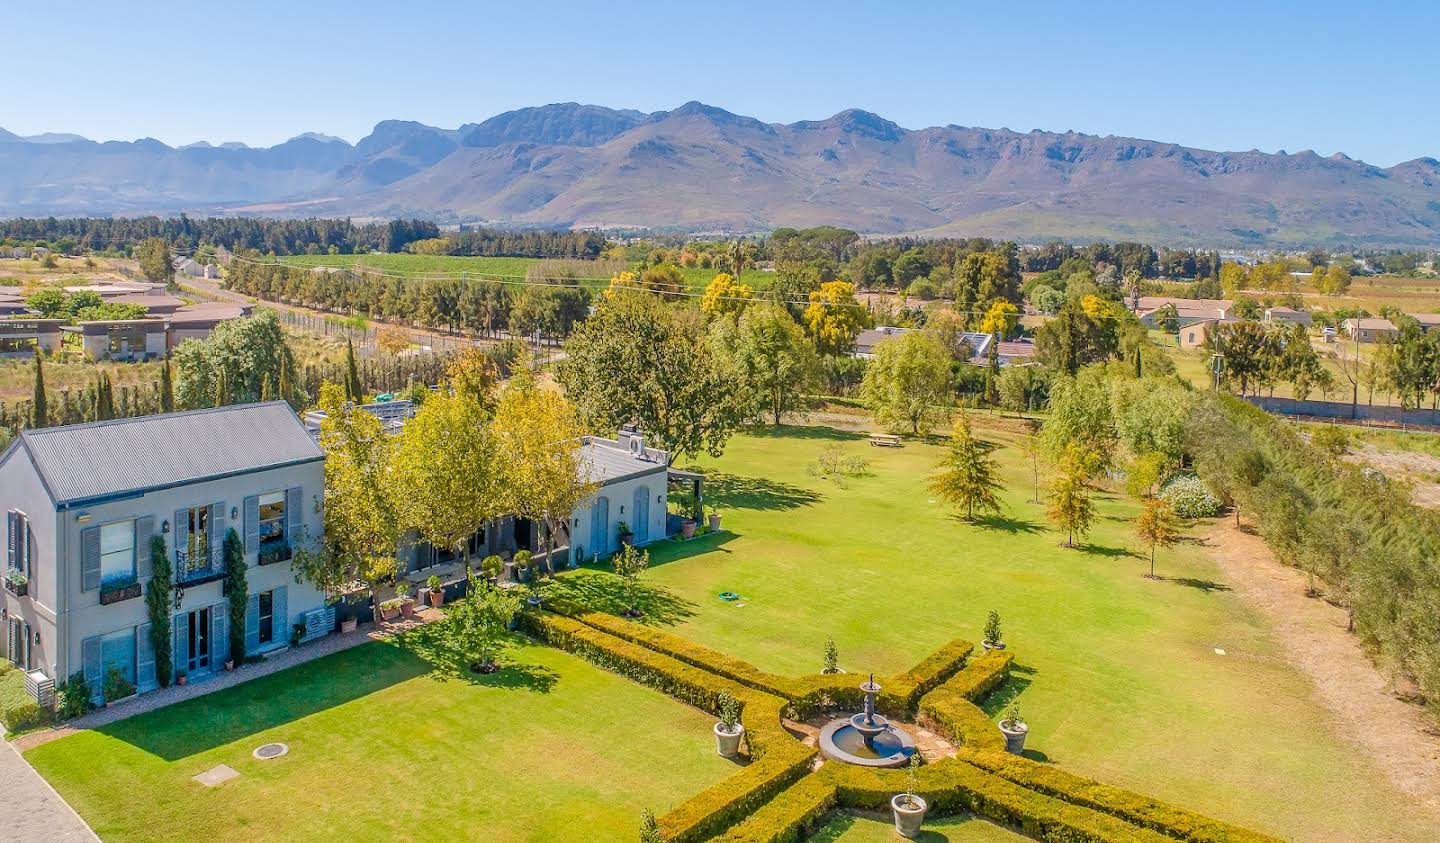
(867, 739)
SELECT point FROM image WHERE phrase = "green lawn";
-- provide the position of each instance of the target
(418, 264)
(848, 828)
(383, 747)
(1117, 674)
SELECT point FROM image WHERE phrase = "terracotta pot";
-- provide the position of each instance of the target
(687, 528)
(728, 743)
(229, 664)
(181, 680)
(408, 608)
(908, 816)
(389, 614)
(436, 598)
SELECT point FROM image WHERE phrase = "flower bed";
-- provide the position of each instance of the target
(118, 591)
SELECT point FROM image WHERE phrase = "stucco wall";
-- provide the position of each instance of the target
(621, 496)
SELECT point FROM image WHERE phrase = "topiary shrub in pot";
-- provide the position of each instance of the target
(1014, 728)
(992, 640)
(832, 658)
(729, 730)
(908, 808)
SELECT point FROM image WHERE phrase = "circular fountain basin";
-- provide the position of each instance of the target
(840, 740)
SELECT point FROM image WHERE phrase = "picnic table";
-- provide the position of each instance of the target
(884, 440)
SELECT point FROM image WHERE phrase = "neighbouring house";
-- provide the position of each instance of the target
(1371, 329)
(21, 337)
(866, 340)
(12, 303)
(195, 269)
(1287, 316)
(122, 339)
(1427, 321)
(110, 290)
(1016, 352)
(1195, 334)
(196, 321)
(1151, 310)
(82, 504)
(155, 304)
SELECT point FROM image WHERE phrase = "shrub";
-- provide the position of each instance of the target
(115, 686)
(73, 697)
(1188, 497)
(787, 817)
(951, 708)
(6, 666)
(1332, 439)
(23, 715)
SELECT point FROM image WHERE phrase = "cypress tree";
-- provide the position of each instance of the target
(222, 389)
(39, 408)
(104, 398)
(167, 388)
(353, 390)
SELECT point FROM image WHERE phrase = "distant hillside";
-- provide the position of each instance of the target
(700, 167)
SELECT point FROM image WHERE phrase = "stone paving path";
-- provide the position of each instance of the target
(30, 809)
(932, 746)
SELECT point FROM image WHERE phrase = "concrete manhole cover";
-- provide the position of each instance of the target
(270, 750)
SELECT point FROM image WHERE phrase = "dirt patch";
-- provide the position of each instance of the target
(1397, 736)
(1420, 470)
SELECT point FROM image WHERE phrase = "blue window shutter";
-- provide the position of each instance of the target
(294, 517)
(217, 536)
(182, 649)
(219, 640)
(12, 538)
(144, 658)
(181, 534)
(252, 525)
(90, 559)
(27, 546)
(93, 663)
(281, 612)
(252, 623)
(144, 529)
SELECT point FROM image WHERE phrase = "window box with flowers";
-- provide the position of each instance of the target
(274, 551)
(17, 583)
(117, 590)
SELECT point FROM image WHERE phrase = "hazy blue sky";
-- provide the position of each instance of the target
(1357, 78)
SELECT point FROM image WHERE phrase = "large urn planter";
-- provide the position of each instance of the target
(714, 522)
(687, 528)
(1014, 732)
(727, 742)
(909, 811)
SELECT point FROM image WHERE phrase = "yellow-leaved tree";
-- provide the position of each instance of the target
(547, 477)
(723, 296)
(834, 317)
(362, 521)
(1000, 318)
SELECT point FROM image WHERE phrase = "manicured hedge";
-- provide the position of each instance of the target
(788, 817)
(952, 785)
(778, 760)
(1133, 807)
(951, 708)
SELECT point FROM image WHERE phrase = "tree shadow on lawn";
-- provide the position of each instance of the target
(805, 431)
(738, 491)
(665, 552)
(1206, 586)
(205, 722)
(431, 643)
(605, 592)
(1005, 524)
(1108, 552)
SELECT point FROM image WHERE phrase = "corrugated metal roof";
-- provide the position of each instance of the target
(609, 462)
(83, 462)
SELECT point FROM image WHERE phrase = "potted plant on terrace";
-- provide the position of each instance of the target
(832, 658)
(522, 565)
(729, 730)
(992, 641)
(627, 536)
(16, 582)
(909, 809)
(402, 593)
(180, 678)
(390, 609)
(491, 566)
(435, 594)
(1014, 728)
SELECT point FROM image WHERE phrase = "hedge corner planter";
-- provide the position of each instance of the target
(909, 811)
(1014, 736)
(727, 743)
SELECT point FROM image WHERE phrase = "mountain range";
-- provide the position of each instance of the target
(701, 168)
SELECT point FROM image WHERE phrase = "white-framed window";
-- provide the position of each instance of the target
(272, 518)
(117, 553)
